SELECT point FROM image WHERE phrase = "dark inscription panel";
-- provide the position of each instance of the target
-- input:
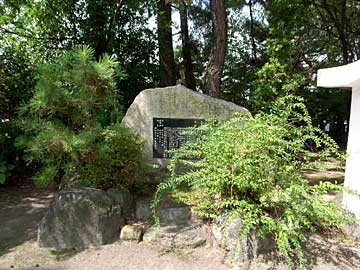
(167, 134)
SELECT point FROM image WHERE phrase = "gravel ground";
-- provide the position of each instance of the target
(21, 209)
(125, 256)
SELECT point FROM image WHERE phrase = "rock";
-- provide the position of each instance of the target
(131, 233)
(249, 246)
(174, 215)
(170, 212)
(227, 236)
(190, 237)
(79, 218)
(175, 237)
(121, 197)
(163, 237)
(143, 210)
(175, 102)
(352, 231)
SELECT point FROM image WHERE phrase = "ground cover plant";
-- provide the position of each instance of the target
(251, 166)
(72, 125)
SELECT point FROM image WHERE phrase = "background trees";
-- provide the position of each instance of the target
(270, 48)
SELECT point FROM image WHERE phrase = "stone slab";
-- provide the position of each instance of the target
(175, 102)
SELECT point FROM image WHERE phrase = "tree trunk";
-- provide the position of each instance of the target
(253, 43)
(218, 50)
(186, 47)
(98, 34)
(101, 34)
(338, 16)
(166, 51)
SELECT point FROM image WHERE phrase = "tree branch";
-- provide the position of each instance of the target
(7, 31)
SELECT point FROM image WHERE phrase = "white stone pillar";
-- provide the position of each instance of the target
(348, 76)
(352, 173)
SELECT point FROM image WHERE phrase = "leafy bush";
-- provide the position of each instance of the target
(252, 167)
(5, 171)
(72, 125)
(115, 160)
(17, 80)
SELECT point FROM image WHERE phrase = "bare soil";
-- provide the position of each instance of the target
(21, 209)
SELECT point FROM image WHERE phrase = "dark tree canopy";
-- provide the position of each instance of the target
(249, 52)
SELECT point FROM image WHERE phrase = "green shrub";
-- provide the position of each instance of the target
(5, 171)
(17, 80)
(252, 167)
(115, 160)
(72, 125)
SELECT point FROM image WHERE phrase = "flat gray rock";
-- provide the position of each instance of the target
(174, 215)
(176, 237)
(190, 237)
(169, 212)
(79, 218)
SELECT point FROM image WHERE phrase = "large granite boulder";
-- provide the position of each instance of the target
(179, 107)
(79, 218)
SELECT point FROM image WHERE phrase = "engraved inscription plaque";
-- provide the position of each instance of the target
(167, 134)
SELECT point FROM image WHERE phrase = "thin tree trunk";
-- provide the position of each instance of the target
(253, 43)
(186, 47)
(166, 51)
(347, 52)
(218, 50)
(99, 36)
(340, 25)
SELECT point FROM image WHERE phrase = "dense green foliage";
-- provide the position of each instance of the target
(274, 48)
(252, 167)
(72, 124)
(5, 171)
(16, 87)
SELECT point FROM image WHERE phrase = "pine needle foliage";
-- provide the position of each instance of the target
(72, 124)
(251, 166)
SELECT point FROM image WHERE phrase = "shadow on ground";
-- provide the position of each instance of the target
(342, 255)
(321, 253)
(21, 210)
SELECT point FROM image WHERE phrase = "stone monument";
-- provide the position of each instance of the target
(160, 115)
(348, 77)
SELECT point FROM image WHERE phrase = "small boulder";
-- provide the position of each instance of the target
(131, 233)
(169, 212)
(226, 232)
(176, 237)
(174, 215)
(162, 237)
(79, 218)
(190, 237)
(352, 231)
